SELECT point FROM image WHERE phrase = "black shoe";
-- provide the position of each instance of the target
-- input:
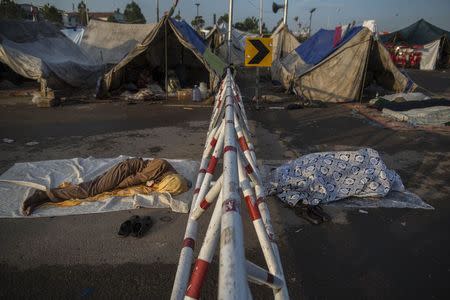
(127, 227)
(304, 212)
(141, 226)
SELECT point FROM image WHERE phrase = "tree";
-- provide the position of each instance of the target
(223, 19)
(198, 22)
(178, 16)
(250, 24)
(111, 19)
(51, 13)
(82, 13)
(133, 14)
(10, 10)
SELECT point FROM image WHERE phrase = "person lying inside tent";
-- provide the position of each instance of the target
(156, 173)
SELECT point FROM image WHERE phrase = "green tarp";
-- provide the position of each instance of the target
(419, 33)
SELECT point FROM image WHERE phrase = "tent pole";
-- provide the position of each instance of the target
(285, 12)
(257, 90)
(165, 59)
(365, 69)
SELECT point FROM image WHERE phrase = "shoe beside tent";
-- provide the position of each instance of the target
(188, 55)
(435, 42)
(39, 51)
(108, 43)
(332, 66)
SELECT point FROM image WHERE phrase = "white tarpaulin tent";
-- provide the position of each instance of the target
(109, 43)
(39, 51)
(15, 186)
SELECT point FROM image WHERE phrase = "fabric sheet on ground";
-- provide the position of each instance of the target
(436, 115)
(326, 177)
(54, 172)
(408, 105)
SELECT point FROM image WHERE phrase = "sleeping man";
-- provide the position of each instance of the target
(131, 172)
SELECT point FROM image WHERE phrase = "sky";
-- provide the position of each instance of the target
(390, 15)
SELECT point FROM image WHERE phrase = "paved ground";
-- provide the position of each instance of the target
(389, 253)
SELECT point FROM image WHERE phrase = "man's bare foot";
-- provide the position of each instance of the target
(33, 201)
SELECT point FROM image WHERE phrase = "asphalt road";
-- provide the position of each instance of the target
(386, 254)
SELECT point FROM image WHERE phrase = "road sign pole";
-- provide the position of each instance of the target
(230, 27)
(258, 91)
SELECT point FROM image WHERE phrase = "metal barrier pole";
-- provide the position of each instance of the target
(232, 276)
(187, 251)
(206, 253)
(232, 137)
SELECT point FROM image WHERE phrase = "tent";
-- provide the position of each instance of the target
(217, 42)
(74, 33)
(435, 42)
(187, 56)
(283, 42)
(39, 51)
(334, 66)
(108, 43)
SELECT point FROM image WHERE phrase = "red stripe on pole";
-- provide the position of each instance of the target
(230, 205)
(197, 278)
(229, 148)
(243, 143)
(197, 190)
(253, 211)
(204, 204)
(213, 142)
(189, 242)
(249, 169)
(270, 278)
(212, 165)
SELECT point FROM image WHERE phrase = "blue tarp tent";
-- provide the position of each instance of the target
(332, 67)
(320, 45)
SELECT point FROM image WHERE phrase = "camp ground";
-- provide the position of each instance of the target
(224, 149)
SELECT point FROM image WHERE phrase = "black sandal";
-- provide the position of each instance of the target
(127, 227)
(318, 211)
(305, 212)
(141, 226)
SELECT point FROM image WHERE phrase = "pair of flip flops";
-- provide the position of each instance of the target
(135, 226)
(314, 214)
